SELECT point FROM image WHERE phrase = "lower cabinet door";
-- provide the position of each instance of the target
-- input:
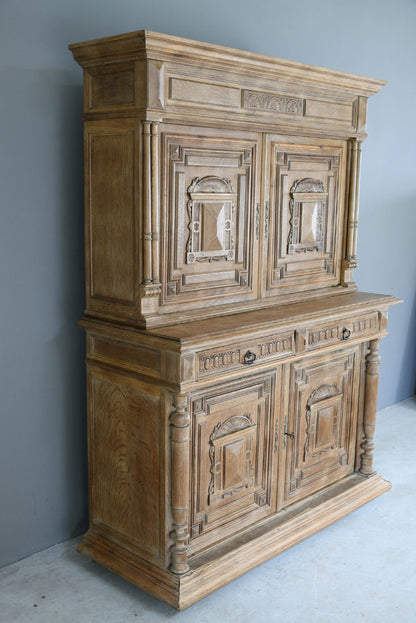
(320, 426)
(235, 450)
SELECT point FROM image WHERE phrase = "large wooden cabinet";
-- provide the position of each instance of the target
(232, 362)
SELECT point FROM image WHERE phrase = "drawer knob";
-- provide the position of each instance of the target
(249, 357)
(346, 333)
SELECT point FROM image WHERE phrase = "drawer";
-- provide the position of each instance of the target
(245, 355)
(325, 334)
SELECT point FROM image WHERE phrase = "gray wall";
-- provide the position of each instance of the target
(42, 436)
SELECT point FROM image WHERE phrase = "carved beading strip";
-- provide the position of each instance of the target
(226, 359)
(323, 335)
(365, 324)
(326, 334)
(273, 347)
(218, 361)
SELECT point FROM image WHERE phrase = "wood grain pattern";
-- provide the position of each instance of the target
(124, 478)
(232, 363)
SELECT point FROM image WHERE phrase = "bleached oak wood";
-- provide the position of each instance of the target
(232, 363)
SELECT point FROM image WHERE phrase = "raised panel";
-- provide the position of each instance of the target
(234, 454)
(111, 231)
(124, 462)
(305, 211)
(208, 242)
(320, 427)
(193, 91)
(111, 87)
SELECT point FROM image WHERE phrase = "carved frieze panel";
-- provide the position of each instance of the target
(218, 361)
(269, 348)
(258, 100)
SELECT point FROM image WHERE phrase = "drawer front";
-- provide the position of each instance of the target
(245, 355)
(337, 332)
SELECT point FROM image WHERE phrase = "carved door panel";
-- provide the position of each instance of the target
(320, 428)
(305, 190)
(235, 448)
(209, 243)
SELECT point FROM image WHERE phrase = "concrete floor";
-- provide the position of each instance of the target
(361, 568)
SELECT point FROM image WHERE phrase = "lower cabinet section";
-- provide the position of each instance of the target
(192, 485)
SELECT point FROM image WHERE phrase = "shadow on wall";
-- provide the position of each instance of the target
(73, 303)
(410, 353)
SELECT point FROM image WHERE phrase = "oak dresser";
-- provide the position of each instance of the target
(232, 362)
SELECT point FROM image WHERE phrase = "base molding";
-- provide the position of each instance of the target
(225, 562)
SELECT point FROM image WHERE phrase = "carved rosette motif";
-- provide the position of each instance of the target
(287, 104)
(211, 210)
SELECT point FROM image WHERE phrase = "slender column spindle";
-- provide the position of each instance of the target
(370, 406)
(155, 204)
(179, 439)
(147, 192)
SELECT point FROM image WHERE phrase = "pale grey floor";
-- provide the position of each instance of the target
(362, 568)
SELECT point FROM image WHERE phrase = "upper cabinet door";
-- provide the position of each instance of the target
(208, 217)
(304, 205)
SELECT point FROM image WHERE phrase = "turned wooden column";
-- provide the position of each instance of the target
(370, 406)
(155, 203)
(147, 211)
(179, 439)
(350, 259)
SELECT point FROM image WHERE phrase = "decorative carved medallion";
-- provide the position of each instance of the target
(211, 210)
(277, 103)
(307, 215)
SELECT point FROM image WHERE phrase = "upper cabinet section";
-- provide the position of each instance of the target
(169, 76)
(216, 180)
